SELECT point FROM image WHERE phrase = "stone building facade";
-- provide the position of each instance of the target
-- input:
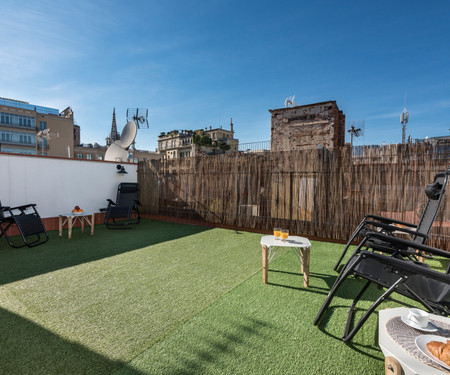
(307, 126)
(180, 143)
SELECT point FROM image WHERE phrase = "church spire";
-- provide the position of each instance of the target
(114, 134)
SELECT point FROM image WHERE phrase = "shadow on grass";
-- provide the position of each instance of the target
(226, 343)
(28, 348)
(344, 292)
(60, 252)
(335, 310)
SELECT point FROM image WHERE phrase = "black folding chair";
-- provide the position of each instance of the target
(412, 279)
(435, 193)
(28, 222)
(124, 212)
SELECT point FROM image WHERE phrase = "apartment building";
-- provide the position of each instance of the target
(21, 121)
(187, 143)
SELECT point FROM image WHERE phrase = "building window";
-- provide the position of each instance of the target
(99, 157)
(136, 160)
(17, 137)
(42, 125)
(89, 156)
(17, 120)
(79, 156)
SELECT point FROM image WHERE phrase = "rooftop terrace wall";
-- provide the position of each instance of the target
(57, 185)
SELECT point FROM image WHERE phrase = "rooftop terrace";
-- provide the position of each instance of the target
(174, 298)
(168, 298)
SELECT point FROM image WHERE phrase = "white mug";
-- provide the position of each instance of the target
(418, 317)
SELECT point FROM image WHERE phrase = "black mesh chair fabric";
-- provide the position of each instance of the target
(125, 209)
(28, 223)
(435, 193)
(412, 279)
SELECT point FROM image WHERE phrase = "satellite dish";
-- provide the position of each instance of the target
(116, 152)
(128, 134)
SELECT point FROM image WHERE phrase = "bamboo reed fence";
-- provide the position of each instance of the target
(317, 193)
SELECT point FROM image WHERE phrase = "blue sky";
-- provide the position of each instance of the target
(197, 63)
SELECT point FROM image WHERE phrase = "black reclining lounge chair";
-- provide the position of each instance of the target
(435, 193)
(412, 279)
(124, 212)
(28, 222)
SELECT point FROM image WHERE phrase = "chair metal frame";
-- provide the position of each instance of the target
(29, 224)
(389, 226)
(126, 211)
(394, 273)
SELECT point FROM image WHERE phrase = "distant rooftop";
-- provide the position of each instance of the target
(31, 107)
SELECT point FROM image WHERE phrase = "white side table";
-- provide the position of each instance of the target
(72, 218)
(409, 364)
(300, 245)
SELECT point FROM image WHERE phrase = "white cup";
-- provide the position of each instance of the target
(418, 317)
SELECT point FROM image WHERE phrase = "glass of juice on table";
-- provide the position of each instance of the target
(284, 234)
(277, 233)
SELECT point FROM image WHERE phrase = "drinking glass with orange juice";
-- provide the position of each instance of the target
(277, 233)
(284, 234)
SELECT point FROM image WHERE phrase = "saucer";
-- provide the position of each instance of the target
(428, 328)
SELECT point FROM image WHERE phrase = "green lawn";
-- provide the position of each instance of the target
(167, 298)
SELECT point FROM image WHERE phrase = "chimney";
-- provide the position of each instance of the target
(210, 128)
(231, 125)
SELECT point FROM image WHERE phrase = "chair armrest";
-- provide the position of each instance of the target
(23, 207)
(411, 244)
(5, 208)
(387, 220)
(410, 267)
(111, 202)
(392, 228)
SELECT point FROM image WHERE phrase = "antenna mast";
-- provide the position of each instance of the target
(354, 132)
(404, 117)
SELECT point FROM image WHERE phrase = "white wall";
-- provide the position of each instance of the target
(58, 185)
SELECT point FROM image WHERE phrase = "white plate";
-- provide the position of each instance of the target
(423, 340)
(77, 213)
(428, 328)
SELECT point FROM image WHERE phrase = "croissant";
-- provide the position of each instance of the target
(440, 350)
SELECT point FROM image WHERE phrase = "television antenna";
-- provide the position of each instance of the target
(118, 150)
(356, 130)
(139, 115)
(289, 101)
(404, 117)
(44, 135)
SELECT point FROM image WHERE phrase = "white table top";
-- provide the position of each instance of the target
(74, 214)
(292, 241)
(410, 364)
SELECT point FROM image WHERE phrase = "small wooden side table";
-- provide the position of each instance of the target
(300, 245)
(72, 218)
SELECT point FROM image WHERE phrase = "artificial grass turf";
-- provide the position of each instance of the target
(90, 304)
(268, 329)
(174, 299)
